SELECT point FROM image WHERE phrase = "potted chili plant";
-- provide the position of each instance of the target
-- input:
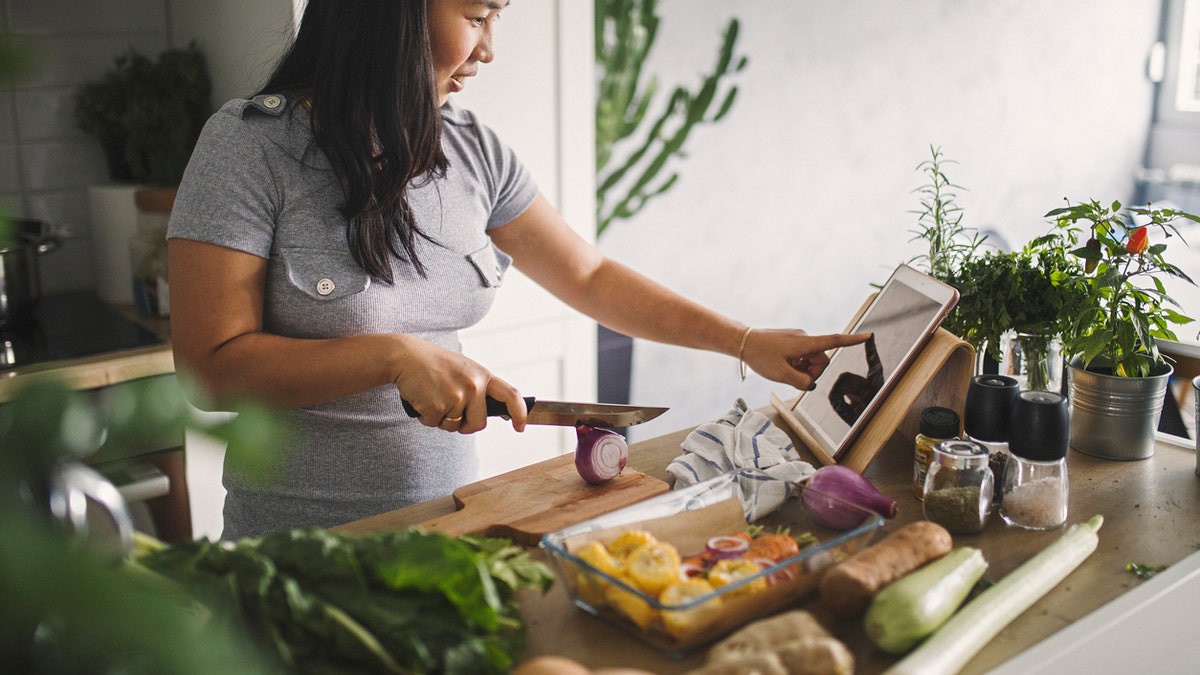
(1117, 376)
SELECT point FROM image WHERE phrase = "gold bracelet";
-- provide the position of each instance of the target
(742, 352)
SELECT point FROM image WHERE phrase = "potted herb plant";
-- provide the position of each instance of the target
(1015, 306)
(148, 114)
(1117, 376)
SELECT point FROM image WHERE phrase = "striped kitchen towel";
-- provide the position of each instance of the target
(742, 439)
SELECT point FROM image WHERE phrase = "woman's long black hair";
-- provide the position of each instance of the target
(368, 70)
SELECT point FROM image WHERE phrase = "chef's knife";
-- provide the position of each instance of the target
(568, 414)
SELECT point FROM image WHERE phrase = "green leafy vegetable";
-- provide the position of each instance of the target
(406, 601)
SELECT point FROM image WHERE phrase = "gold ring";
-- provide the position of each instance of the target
(453, 420)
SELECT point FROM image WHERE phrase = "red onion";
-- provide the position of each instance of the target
(727, 547)
(600, 454)
(690, 570)
(845, 484)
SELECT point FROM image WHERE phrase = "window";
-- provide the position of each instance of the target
(1187, 87)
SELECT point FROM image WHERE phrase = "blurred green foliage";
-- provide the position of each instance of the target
(69, 608)
(637, 145)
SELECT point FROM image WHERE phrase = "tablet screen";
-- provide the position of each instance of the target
(901, 318)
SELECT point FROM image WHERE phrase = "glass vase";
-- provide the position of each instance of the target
(1034, 360)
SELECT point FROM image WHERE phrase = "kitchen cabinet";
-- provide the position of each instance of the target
(1151, 510)
(94, 349)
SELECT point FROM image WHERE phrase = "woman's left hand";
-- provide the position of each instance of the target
(792, 356)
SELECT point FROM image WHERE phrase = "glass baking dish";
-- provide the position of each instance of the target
(687, 519)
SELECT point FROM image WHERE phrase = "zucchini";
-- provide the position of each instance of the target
(908, 610)
(968, 631)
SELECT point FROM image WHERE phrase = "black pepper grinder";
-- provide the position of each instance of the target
(1035, 485)
(986, 418)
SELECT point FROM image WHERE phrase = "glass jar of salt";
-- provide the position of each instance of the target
(1035, 485)
(958, 487)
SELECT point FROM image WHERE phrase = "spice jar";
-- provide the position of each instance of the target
(1035, 478)
(937, 424)
(958, 487)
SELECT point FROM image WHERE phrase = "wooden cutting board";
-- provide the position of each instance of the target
(532, 501)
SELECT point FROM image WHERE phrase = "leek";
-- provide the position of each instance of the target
(968, 631)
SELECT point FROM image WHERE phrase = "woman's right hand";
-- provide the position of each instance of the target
(449, 390)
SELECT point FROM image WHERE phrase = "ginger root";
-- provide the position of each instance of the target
(792, 643)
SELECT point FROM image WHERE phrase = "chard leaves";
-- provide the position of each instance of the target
(393, 602)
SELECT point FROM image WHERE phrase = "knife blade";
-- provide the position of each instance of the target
(569, 414)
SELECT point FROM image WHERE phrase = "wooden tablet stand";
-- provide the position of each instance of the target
(938, 376)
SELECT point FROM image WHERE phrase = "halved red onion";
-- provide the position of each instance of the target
(600, 454)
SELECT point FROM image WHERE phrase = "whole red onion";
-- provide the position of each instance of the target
(846, 485)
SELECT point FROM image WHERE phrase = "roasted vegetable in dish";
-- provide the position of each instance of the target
(654, 570)
(406, 601)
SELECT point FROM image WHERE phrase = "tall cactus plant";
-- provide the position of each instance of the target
(625, 34)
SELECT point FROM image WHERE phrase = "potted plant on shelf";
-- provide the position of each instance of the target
(147, 115)
(1117, 376)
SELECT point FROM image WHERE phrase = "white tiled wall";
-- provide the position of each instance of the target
(46, 164)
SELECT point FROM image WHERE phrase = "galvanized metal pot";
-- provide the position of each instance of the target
(1115, 417)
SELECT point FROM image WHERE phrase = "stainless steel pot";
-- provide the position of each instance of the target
(22, 242)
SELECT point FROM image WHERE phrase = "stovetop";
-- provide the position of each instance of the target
(71, 326)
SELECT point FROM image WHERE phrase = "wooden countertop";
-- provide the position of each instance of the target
(101, 370)
(1152, 516)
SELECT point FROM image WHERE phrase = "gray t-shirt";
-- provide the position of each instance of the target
(257, 183)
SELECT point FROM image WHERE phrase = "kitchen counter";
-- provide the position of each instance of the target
(1152, 516)
(141, 348)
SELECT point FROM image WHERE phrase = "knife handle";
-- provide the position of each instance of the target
(494, 408)
(498, 409)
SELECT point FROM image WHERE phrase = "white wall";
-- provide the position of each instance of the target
(787, 210)
(241, 40)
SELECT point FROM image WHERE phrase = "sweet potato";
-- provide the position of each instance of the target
(847, 588)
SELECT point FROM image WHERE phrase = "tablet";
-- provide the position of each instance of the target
(901, 317)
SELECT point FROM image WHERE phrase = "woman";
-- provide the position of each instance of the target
(333, 233)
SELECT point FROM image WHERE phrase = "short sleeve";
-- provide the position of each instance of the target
(514, 185)
(510, 185)
(228, 195)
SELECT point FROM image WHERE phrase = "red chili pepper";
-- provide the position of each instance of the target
(1138, 241)
(1093, 259)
